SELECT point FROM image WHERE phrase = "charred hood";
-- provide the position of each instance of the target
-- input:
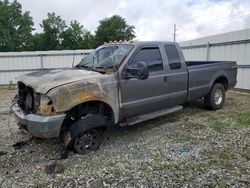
(45, 80)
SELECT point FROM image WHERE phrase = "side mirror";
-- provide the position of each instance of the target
(140, 72)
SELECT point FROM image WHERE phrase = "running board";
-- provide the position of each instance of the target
(152, 115)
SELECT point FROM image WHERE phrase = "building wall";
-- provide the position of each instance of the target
(231, 46)
(13, 64)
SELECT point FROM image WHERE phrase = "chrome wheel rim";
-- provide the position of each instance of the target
(218, 97)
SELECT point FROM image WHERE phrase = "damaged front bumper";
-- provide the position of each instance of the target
(39, 126)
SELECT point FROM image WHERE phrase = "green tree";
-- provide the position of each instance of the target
(53, 26)
(114, 28)
(89, 41)
(77, 37)
(36, 42)
(72, 37)
(15, 27)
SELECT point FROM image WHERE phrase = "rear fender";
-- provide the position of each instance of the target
(216, 76)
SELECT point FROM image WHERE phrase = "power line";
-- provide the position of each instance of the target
(213, 23)
(221, 23)
(225, 17)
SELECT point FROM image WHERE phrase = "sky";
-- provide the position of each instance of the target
(153, 19)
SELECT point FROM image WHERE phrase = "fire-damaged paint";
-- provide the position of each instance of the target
(102, 88)
(46, 80)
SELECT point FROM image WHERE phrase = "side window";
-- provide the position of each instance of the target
(173, 57)
(151, 56)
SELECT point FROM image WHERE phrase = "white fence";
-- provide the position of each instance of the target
(13, 64)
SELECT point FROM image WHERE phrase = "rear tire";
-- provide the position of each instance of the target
(216, 98)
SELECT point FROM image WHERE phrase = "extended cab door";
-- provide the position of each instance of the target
(177, 75)
(144, 96)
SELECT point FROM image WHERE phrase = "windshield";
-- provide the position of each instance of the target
(106, 56)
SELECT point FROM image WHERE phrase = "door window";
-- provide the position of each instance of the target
(151, 56)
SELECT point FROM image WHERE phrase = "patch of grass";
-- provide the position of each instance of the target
(90, 167)
(231, 120)
(222, 184)
(197, 167)
(221, 157)
(173, 166)
(148, 172)
(40, 181)
(217, 125)
(163, 164)
(244, 119)
(180, 137)
(121, 168)
(160, 159)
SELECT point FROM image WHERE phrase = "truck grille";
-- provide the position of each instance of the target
(27, 98)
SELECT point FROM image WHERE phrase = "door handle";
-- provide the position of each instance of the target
(165, 78)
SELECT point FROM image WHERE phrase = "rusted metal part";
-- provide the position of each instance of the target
(46, 109)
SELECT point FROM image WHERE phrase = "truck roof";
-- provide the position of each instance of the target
(139, 43)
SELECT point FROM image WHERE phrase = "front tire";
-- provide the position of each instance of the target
(85, 135)
(216, 98)
(87, 141)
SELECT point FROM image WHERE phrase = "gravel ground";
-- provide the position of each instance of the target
(191, 148)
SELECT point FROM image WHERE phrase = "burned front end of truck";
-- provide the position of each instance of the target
(77, 102)
(35, 113)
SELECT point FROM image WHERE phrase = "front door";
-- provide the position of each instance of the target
(144, 96)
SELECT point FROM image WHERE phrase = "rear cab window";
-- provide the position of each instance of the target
(173, 56)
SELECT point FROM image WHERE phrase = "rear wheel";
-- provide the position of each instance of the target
(216, 97)
(87, 141)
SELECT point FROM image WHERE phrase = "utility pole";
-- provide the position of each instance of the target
(174, 32)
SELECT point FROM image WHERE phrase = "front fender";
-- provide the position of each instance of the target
(68, 96)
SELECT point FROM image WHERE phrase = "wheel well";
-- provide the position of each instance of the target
(222, 80)
(91, 107)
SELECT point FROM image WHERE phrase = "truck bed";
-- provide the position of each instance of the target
(202, 73)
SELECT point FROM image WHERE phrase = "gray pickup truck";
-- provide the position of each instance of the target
(117, 84)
